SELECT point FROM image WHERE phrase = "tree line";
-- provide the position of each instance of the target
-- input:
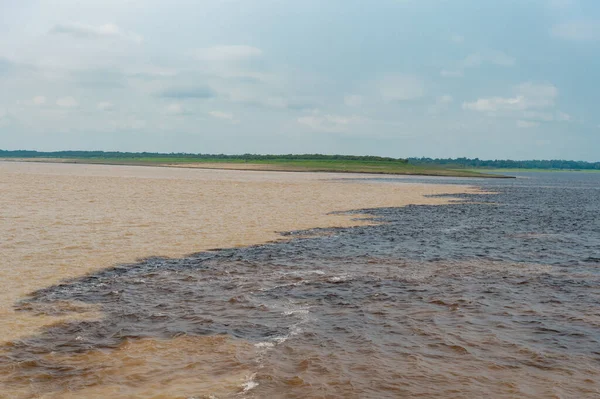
(138, 155)
(446, 162)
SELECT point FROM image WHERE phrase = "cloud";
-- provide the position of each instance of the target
(401, 88)
(227, 53)
(531, 105)
(221, 115)
(67, 102)
(521, 124)
(329, 123)
(175, 109)
(85, 31)
(527, 96)
(200, 92)
(105, 106)
(39, 100)
(581, 30)
(267, 101)
(150, 72)
(35, 101)
(539, 116)
(476, 60)
(489, 57)
(494, 104)
(537, 95)
(353, 100)
(451, 73)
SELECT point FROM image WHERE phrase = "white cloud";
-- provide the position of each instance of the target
(477, 60)
(85, 31)
(105, 106)
(527, 96)
(221, 115)
(538, 95)
(227, 53)
(401, 88)
(577, 30)
(67, 102)
(329, 123)
(531, 105)
(539, 116)
(35, 101)
(39, 100)
(521, 124)
(175, 109)
(494, 104)
(353, 100)
(489, 57)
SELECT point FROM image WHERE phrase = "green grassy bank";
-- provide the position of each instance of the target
(304, 163)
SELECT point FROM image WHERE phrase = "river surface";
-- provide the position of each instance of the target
(493, 295)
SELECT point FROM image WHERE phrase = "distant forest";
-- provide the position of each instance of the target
(446, 162)
(180, 155)
(506, 163)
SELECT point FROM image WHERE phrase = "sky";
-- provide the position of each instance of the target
(493, 79)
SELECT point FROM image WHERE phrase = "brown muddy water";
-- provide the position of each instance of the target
(491, 295)
(65, 224)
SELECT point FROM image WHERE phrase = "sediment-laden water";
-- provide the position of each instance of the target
(494, 295)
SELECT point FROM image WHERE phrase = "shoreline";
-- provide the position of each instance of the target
(264, 167)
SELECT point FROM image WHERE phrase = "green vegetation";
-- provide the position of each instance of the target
(188, 157)
(290, 162)
(309, 160)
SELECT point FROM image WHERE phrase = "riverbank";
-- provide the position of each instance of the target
(274, 165)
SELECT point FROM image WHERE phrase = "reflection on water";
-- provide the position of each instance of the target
(496, 298)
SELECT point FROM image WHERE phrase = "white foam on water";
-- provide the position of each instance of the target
(281, 339)
(265, 345)
(250, 383)
(337, 279)
(296, 311)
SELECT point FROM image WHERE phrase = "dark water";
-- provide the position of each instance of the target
(495, 295)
